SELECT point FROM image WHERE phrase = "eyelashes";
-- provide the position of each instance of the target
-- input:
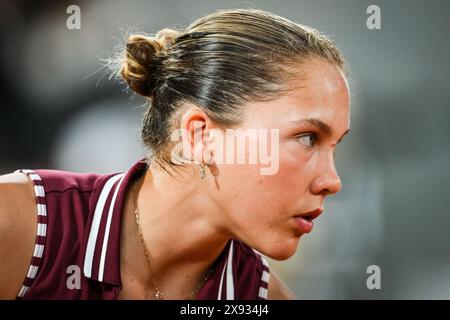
(310, 140)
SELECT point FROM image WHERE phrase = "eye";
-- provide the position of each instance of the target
(308, 139)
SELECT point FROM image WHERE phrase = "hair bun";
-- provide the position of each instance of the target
(141, 62)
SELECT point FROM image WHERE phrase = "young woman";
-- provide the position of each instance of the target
(195, 218)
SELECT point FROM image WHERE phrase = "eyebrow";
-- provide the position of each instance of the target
(322, 126)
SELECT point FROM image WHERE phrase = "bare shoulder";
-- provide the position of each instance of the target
(278, 290)
(17, 231)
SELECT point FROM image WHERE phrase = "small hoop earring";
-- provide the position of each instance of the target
(202, 172)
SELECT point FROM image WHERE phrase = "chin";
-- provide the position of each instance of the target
(280, 251)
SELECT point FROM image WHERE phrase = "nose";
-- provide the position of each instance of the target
(327, 180)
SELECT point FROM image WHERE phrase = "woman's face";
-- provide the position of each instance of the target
(262, 206)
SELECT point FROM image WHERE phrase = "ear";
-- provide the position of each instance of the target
(195, 126)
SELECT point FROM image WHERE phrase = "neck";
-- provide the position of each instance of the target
(181, 228)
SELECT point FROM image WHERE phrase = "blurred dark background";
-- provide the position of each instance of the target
(59, 110)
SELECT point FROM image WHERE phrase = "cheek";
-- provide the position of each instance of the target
(249, 198)
(253, 196)
(295, 170)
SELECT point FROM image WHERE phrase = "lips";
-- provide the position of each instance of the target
(311, 215)
(304, 221)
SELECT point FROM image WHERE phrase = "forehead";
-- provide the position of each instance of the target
(319, 91)
(321, 85)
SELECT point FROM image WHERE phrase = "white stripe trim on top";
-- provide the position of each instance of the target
(222, 277)
(230, 280)
(35, 177)
(264, 261)
(42, 209)
(262, 293)
(93, 233)
(39, 190)
(106, 236)
(22, 291)
(41, 228)
(38, 250)
(219, 296)
(265, 277)
(32, 272)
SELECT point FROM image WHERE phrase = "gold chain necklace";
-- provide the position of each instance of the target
(159, 295)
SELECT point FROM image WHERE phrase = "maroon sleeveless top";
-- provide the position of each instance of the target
(76, 254)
